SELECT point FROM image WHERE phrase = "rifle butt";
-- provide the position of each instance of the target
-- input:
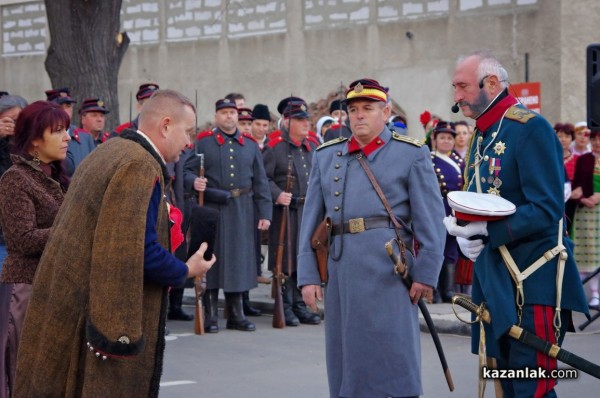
(278, 315)
(198, 314)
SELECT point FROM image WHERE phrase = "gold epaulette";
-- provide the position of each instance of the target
(332, 142)
(519, 114)
(407, 139)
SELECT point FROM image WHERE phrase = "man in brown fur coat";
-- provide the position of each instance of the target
(95, 323)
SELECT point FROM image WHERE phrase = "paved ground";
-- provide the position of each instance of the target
(290, 363)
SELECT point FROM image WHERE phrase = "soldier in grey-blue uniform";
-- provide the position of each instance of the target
(372, 329)
(235, 183)
(81, 143)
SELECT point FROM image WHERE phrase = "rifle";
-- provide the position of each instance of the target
(200, 283)
(279, 277)
(400, 268)
(531, 340)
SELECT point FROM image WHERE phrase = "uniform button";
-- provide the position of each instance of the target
(378, 142)
(230, 149)
(231, 157)
(336, 208)
(438, 170)
(232, 175)
(336, 179)
(486, 158)
(441, 177)
(230, 142)
(480, 138)
(337, 166)
(339, 153)
(337, 194)
(443, 184)
(232, 166)
(231, 185)
(482, 179)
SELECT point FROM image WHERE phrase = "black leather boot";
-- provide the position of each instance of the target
(300, 309)
(237, 320)
(447, 282)
(175, 312)
(287, 293)
(248, 309)
(211, 310)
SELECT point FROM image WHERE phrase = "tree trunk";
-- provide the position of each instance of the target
(86, 50)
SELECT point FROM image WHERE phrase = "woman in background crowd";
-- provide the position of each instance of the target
(463, 137)
(581, 144)
(10, 106)
(566, 135)
(586, 191)
(449, 168)
(31, 192)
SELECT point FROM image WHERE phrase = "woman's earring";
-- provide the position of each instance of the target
(36, 158)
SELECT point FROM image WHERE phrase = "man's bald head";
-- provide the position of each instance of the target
(168, 118)
(163, 103)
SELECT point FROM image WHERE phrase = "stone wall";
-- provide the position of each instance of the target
(269, 49)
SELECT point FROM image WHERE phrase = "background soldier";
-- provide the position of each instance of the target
(92, 119)
(144, 92)
(80, 145)
(236, 183)
(295, 143)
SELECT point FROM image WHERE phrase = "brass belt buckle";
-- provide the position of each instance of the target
(235, 193)
(356, 225)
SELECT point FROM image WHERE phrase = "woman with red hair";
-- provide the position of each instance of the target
(31, 192)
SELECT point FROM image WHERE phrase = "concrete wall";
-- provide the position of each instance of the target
(269, 49)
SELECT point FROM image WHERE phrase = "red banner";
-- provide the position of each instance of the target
(530, 95)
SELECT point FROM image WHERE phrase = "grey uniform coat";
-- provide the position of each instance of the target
(232, 162)
(372, 328)
(81, 145)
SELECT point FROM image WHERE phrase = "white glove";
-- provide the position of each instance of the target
(471, 229)
(470, 248)
(567, 190)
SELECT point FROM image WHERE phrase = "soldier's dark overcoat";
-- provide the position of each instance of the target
(232, 162)
(276, 166)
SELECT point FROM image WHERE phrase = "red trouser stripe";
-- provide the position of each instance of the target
(543, 316)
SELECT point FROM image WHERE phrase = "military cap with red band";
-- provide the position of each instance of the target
(93, 105)
(146, 90)
(296, 110)
(473, 206)
(368, 89)
(245, 114)
(59, 96)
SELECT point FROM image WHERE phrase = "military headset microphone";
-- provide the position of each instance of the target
(455, 107)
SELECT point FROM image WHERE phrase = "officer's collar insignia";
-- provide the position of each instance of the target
(358, 88)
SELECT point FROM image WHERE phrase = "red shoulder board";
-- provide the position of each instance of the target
(250, 137)
(275, 141)
(204, 134)
(123, 127)
(275, 134)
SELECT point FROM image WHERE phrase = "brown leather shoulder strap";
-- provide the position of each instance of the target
(375, 184)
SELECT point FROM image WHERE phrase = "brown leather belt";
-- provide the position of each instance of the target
(357, 225)
(237, 192)
(297, 201)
